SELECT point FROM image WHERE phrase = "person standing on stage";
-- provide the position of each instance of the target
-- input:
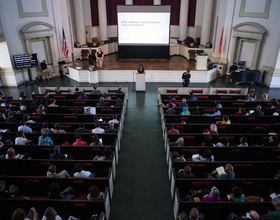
(46, 72)
(186, 78)
(99, 58)
(90, 58)
(141, 69)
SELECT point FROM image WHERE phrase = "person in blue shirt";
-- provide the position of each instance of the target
(216, 113)
(184, 103)
(192, 97)
(24, 128)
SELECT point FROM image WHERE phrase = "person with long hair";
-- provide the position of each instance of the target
(50, 214)
(185, 173)
(41, 110)
(95, 141)
(99, 57)
(22, 96)
(44, 139)
(90, 57)
(32, 215)
(141, 69)
(55, 193)
(95, 194)
(18, 214)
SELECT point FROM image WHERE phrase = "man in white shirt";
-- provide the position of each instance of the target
(115, 119)
(81, 173)
(97, 129)
(21, 139)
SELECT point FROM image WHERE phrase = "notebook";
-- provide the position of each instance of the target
(220, 170)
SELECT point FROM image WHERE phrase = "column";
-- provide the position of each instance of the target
(128, 2)
(183, 22)
(157, 2)
(102, 15)
(233, 50)
(80, 23)
(256, 54)
(206, 22)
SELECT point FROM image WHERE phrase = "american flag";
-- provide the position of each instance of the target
(64, 45)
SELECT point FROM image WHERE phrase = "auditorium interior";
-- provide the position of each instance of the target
(144, 180)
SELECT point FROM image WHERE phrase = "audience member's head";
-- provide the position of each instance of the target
(171, 126)
(2, 185)
(243, 140)
(214, 193)
(11, 153)
(276, 202)
(237, 191)
(194, 214)
(45, 134)
(56, 149)
(184, 100)
(18, 214)
(187, 171)
(196, 108)
(258, 108)
(229, 169)
(78, 137)
(111, 125)
(78, 167)
(207, 154)
(81, 125)
(52, 168)
(170, 105)
(11, 114)
(224, 140)
(50, 213)
(57, 126)
(208, 140)
(108, 153)
(101, 99)
(254, 215)
(94, 191)
(45, 125)
(225, 118)
(213, 127)
(97, 124)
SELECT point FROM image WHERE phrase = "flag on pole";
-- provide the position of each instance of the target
(64, 45)
(221, 42)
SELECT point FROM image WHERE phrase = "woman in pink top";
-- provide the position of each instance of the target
(172, 130)
(204, 195)
(213, 130)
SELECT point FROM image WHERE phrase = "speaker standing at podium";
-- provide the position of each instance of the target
(141, 69)
(186, 78)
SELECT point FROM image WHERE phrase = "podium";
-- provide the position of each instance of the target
(201, 62)
(140, 81)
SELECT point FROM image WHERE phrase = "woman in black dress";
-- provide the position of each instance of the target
(141, 69)
(90, 57)
(99, 57)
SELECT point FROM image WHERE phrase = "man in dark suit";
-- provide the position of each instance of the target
(11, 118)
(101, 103)
(57, 155)
(258, 111)
(170, 111)
(119, 102)
(81, 129)
(95, 91)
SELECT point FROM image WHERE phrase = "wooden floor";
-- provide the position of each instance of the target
(111, 63)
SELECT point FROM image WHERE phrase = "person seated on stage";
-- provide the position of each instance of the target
(35, 102)
(258, 111)
(196, 111)
(272, 141)
(141, 69)
(274, 215)
(172, 129)
(192, 96)
(264, 97)
(23, 127)
(44, 139)
(185, 173)
(194, 215)
(99, 57)
(81, 129)
(46, 72)
(249, 99)
(57, 91)
(105, 96)
(77, 91)
(97, 129)
(79, 141)
(218, 104)
(232, 69)
(115, 119)
(82, 97)
(11, 118)
(170, 111)
(223, 143)
(112, 128)
(184, 103)
(119, 90)
(57, 155)
(216, 113)
(80, 173)
(243, 142)
(225, 121)
(52, 172)
(241, 111)
(95, 194)
(101, 102)
(95, 90)
(41, 110)
(22, 96)
(119, 102)
(53, 101)
(90, 58)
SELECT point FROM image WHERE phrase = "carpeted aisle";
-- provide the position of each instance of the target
(141, 188)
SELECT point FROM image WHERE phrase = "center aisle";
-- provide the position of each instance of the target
(141, 188)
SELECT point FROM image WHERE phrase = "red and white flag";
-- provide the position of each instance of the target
(64, 45)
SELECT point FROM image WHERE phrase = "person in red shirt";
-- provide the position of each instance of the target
(78, 141)
(172, 130)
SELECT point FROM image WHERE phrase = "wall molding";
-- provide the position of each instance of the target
(43, 13)
(264, 14)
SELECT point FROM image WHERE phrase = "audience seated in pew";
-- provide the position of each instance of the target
(41, 110)
(22, 96)
(79, 141)
(206, 156)
(95, 141)
(192, 96)
(185, 173)
(184, 103)
(177, 157)
(274, 215)
(179, 142)
(107, 154)
(5, 194)
(119, 102)
(196, 111)
(229, 173)
(218, 104)
(77, 91)
(27, 119)
(57, 155)
(264, 98)
(81, 173)
(58, 91)
(50, 213)
(119, 90)
(21, 139)
(52, 103)
(170, 111)
(223, 143)
(216, 113)
(258, 111)
(213, 129)
(95, 90)
(185, 111)
(106, 97)
(24, 128)
(194, 215)
(111, 128)
(11, 155)
(243, 142)
(55, 193)
(82, 97)
(97, 129)
(173, 130)
(224, 121)
(11, 118)
(253, 215)
(57, 129)
(95, 194)
(207, 196)
(101, 102)
(81, 129)
(45, 127)
(237, 195)
(44, 139)
(249, 99)
(207, 141)
(272, 141)
(52, 172)
(35, 102)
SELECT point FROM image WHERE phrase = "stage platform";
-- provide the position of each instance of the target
(125, 70)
